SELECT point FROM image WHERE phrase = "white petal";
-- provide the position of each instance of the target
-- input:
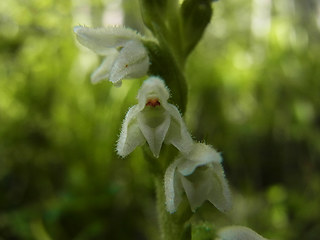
(238, 233)
(197, 188)
(201, 154)
(103, 71)
(100, 39)
(219, 194)
(154, 124)
(172, 186)
(132, 62)
(130, 136)
(178, 134)
(153, 87)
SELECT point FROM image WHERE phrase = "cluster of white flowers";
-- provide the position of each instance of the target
(197, 170)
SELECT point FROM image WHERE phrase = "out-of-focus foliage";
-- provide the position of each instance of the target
(255, 95)
(254, 84)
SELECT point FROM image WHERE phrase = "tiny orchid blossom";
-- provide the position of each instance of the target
(200, 175)
(125, 55)
(153, 120)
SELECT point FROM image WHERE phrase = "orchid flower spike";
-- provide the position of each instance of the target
(126, 57)
(153, 120)
(200, 175)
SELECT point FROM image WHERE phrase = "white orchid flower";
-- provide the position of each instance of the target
(153, 120)
(200, 175)
(238, 233)
(126, 57)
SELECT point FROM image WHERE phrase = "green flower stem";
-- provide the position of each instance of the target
(172, 226)
(178, 29)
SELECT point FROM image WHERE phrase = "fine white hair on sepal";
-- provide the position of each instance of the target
(153, 86)
(99, 39)
(200, 154)
(130, 137)
(172, 200)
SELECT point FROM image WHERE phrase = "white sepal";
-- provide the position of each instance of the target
(132, 62)
(238, 233)
(178, 134)
(201, 154)
(130, 135)
(100, 40)
(103, 71)
(153, 87)
(173, 187)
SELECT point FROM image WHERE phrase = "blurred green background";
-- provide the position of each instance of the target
(254, 84)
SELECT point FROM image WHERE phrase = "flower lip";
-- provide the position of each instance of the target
(153, 102)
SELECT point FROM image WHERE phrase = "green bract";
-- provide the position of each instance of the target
(196, 15)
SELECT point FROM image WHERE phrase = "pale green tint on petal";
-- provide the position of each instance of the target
(238, 233)
(172, 186)
(201, 154)
(131, 135)
(100, 39)
(132, 62)
(208, 183)
(197, 191)
(154, 123)
(178, 134)
(103, 71)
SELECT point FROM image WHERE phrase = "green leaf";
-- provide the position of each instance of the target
(196, 15)
(153, 12)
